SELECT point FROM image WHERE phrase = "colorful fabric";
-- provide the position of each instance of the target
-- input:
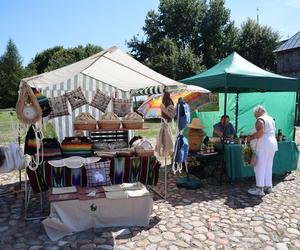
(100, 101)
(119, 164)
(50, 149)
(122, 106)
(30, 147)
(76, 146)
(98, 174)
(59, 106)
(121, 169)
(151, 107)
(38, 178)
(43, 101)
(76, 98)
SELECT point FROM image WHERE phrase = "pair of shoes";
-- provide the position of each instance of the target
(256, 191)
(268, 190)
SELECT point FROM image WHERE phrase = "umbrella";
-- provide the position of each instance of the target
(193, 95)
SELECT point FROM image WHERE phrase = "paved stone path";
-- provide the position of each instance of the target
(212, 217)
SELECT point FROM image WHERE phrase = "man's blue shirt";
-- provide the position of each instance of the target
(229, 129)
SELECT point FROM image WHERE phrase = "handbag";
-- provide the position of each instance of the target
(28, 109)
(31, 141)
(249, 156)
(50, 149)
(76, 146)
(43, 102)
(13, 158)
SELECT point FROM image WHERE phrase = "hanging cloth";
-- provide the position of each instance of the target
(181, 146)
(165, 144)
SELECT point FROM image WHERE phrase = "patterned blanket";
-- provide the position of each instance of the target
(122, 169)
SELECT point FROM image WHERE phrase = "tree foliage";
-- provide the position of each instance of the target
(11, 72)
(170, 36)
(172, 61)
(219, 35)
(256, 44)
(202, 33)
(58, 56)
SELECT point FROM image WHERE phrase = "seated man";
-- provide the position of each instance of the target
(229, 129)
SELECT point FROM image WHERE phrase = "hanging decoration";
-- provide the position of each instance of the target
(28, 108)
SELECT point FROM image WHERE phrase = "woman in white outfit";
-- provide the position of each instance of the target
(265, 150)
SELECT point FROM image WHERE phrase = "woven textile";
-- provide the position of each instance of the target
(122, 106)
(48, 176)
(43, 101)
(100, 101)
(98, 174)
(76, 146)
(76, 98)
(59, 106)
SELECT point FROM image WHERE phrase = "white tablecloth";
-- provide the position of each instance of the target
(67, 217)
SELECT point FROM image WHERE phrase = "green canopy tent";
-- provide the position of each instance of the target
(234, 74)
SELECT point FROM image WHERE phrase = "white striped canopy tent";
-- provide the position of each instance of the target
(112, 71)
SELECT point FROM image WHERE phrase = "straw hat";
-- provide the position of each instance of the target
(196, 124)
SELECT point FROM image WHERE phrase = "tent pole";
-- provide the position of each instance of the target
(236, 112)
(223, 167)
(296, 115)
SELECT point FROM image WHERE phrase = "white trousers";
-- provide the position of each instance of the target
(263, 168)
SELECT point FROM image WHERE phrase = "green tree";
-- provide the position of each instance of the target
(58, 56)
(256, 44)
(203, 29)
(172, 61)
(170, 36)
(219, 35)
(11, 72)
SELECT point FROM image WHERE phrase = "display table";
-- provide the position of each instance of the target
(71, 216)
(285, 160)
(208, 162)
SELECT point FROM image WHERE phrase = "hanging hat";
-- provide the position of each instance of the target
(196, 124)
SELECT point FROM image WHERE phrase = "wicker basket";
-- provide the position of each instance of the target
(195, 137)
(88, 125)
(105, 124)
(134, 124)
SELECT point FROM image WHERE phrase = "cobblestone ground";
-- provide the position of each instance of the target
(212, 217)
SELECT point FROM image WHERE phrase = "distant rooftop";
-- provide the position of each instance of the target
(292, 43)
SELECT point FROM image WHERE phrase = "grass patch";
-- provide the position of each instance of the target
(154, 128)
(6, 133)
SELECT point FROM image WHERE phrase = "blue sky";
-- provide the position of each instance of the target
(35, 25)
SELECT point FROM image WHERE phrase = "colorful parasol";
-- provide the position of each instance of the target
(195, 96)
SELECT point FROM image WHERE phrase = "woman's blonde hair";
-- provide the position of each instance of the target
(258, 108)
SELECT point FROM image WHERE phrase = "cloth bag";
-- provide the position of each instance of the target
(167, 107)
(31, 141)
(182, 149)
(183, 112)
(43, 102)
(13, 158)
(76, 146)
(50, 149)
